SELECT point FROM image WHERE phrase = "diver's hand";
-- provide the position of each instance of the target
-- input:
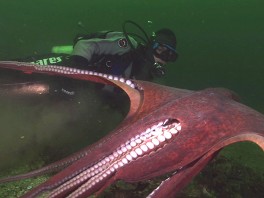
(158, 70)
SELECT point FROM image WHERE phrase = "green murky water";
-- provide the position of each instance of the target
(220, 45)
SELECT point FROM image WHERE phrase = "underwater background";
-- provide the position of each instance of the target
(220, 44)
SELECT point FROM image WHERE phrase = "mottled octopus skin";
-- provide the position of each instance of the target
(166, 130)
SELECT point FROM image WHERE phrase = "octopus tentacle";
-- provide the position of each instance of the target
(89, 180)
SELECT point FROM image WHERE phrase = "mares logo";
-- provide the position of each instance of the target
(122, 42)
(48, 61)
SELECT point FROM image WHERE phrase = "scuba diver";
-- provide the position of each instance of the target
(118, 53)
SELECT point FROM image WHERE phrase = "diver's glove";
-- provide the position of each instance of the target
(158, 70)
